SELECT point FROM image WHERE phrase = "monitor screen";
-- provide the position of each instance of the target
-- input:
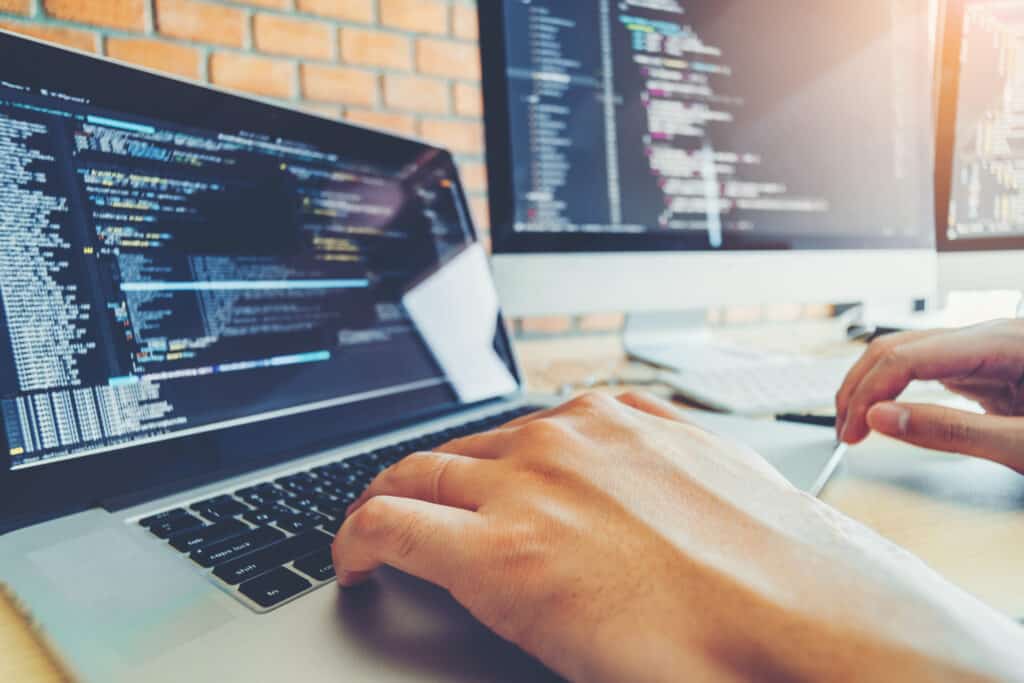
(175, 260)
(981, 140)
(678, 125)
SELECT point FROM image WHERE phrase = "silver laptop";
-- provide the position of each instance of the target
(221, 319)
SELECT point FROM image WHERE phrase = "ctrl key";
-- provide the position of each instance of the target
(274, 587)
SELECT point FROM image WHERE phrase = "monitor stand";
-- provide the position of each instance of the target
(682, 340)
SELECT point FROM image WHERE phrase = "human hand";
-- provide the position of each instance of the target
(617, 542)
(984, 363)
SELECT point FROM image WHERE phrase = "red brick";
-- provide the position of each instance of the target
(129, 15)
(414, 93)
(468, 100)
(463, 137)
(198, 21)
(416, 16)
(481, 213)
(465, 23)
(152, 54)
(295, 37)
(474, 176)
(376, 48)
(15, 6)
(80, 40)
(448, 58)
(259, 75)
(402, 124)
(546, 325)
(346, 10)
(339, 84)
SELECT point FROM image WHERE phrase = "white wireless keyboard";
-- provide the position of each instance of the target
(782, 386)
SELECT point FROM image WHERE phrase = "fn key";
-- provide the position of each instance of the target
(273, 587)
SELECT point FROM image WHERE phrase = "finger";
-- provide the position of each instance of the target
(960, 354)
(995, 397)
(440, 478)
(875, 351)
(653, 405)
(484, 446)
(493, 444)
(1000, 439)
(589, 400)
(430, 541)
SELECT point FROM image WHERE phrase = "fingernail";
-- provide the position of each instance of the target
(889, 418)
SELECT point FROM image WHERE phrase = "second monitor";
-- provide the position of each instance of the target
(653, 155)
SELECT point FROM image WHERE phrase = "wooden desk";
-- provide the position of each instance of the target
(963, 517)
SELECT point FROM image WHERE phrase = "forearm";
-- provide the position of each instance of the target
(866, 610)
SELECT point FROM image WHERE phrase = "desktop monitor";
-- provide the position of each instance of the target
(656, 155)
(980, 151)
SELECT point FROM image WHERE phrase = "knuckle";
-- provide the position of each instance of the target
(592, 401)
(406, 537)
(440, 466)
(879, 346)
(640, 396)
(892, 355)
(955, 432)
(544, 430)
(368, 521)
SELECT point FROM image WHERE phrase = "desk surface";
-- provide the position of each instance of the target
(964, 517)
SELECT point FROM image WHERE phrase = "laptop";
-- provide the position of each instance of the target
(220, 320)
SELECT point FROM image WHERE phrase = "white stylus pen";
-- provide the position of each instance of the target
(830, 469)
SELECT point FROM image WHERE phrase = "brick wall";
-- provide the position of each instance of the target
(409, 66)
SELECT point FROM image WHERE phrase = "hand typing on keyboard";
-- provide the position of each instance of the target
(616, 542)
(984, 363)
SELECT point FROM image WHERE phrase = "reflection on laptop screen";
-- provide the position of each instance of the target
(160, 279)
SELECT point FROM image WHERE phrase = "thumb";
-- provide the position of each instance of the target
(1000, 439)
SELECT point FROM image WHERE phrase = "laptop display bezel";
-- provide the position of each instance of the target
(138, 473)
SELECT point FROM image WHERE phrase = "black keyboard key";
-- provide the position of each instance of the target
(259, 496)
(163, 517)
(263, 561)
(300, 483)
(217, 508)
(300, 521)
(232, 548)
(333, 523)
(194, 538)
(327, 501)
(299, 502)
(274, 587)
(317, 566)
(266, 515)
(174, 525)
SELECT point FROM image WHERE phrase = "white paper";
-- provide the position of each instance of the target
(456, 312)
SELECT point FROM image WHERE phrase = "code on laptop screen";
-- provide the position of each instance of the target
(159, 278)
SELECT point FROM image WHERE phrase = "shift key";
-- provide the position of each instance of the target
(273, 556)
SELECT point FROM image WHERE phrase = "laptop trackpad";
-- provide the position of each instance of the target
(118, 597)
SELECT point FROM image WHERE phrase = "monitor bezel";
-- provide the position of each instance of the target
(135, 474)
(948, 76)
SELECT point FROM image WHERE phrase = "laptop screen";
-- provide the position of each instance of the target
(174, 261)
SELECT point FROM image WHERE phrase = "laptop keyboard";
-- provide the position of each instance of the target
(272, 541)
